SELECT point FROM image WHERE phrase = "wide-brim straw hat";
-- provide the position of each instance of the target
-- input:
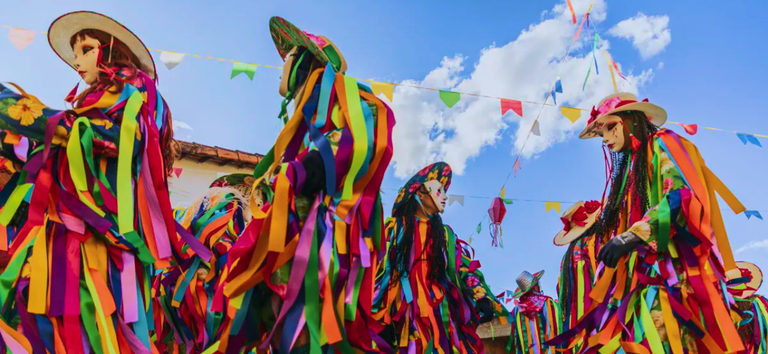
(621, 102)
(526, 281)
(749, 281)
(577, 219)
(63, 28)
(287, 36)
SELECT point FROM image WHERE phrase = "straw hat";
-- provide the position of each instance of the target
(577, 219)
(748, 283)
(621, 102)
(287, 36)
(526, 281)
(63, 28)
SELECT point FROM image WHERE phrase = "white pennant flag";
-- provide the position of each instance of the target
(535, 129)
(171, 59)
(21, 38)
(455, 198)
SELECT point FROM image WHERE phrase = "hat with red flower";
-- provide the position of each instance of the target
(438, 171)
(748, 281)
(577, 219)
(621, 102)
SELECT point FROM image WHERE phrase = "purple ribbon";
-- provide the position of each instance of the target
(194, 243)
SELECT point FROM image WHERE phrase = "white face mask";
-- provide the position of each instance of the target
(87, 58)
(437, 192)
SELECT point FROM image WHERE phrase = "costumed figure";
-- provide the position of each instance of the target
(430, 294)
(753, 326)
(667, 253)
(579, 264)
(99, 220)
(185, 292)
(535, 319)
(306, 262)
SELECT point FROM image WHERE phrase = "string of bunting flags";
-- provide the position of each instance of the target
(22, 38)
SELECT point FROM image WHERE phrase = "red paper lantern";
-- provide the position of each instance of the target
(496, 213)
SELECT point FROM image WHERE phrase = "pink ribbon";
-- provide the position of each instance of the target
(128, 281)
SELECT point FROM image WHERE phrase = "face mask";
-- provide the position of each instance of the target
(437, 192)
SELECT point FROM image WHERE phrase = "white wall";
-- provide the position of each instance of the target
(195, 179)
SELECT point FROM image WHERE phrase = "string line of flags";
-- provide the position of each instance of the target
(22, 38)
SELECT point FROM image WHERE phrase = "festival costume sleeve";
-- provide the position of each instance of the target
(97, 226)
(332, 252)
(474, 282)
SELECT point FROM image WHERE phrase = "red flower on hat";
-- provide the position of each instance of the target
(592, 206)
(414, 187)
(446, 170)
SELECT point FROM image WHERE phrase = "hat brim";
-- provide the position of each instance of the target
(63, 28)
(757, 278)
(520, 292)
(287, 36)
(656, 114)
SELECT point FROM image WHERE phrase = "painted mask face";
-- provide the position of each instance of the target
(259, 198)
(86, 59)
(437, 192)
(612, 132)
(287, 66)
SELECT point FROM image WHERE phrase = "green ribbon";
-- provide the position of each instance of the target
(664, 220)
(17, 196)
(311, 296)
(88, 316)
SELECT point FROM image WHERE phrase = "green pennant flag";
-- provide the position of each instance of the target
(450, 98)
(506, 201)
(240, 67)
(479, 227)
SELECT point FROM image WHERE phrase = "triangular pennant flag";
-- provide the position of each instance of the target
(743, 138)
(479, 227)
(552, 205)
(517, 165)
(450, 98)
(507, 201)
(582, 23)
(383, 87)
(503, 193)
(554, 96)
(171, 59)
(558, 86)
(691, 129)
(573, 14)
(514, 105)
(21, 38)
(177, 171)
(455, 198)
(535, 129)
(751, 213)
(573, 114)
(753, 139)
(240, 67)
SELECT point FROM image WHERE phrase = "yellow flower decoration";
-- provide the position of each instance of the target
(60, 136)
(432, 175)
(479, 293)
(26, 111)
(444, 180)
(102, 122)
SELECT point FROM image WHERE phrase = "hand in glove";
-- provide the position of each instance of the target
(485, 310)
(315, 174)
(618, 247)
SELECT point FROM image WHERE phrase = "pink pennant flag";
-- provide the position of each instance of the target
(578, 32)
(517, 165)
(21, 38)
(691, 129)
(514, 105)
(177, 171)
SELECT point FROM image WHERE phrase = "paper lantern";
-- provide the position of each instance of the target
(496, 214)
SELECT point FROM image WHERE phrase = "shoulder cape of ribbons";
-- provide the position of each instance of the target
(341, 235)
(694, 247)
(70, 188)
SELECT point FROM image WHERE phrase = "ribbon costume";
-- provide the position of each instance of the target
(535, 319)
(325, 217)
(99, 219)
(660, 288)
(753, 324)
(430, 294)
(186, 292)
(579, 265)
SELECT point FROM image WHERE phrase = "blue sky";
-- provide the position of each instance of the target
(712, 74)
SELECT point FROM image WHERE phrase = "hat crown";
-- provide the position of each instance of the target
(524, 280)
(624, 96)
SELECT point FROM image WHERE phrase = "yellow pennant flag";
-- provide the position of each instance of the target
(552, 205)
(503, 193)
(573, 114)
(383, 87)
(613, 76)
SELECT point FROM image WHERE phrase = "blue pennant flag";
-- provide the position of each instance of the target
(751, 213)
(749, 138)
(558, 86)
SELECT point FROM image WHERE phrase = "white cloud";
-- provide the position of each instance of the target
(523, 69)
(660, 66)
(182, 128)
(649, 34)
(753, 246)
(181, 125)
